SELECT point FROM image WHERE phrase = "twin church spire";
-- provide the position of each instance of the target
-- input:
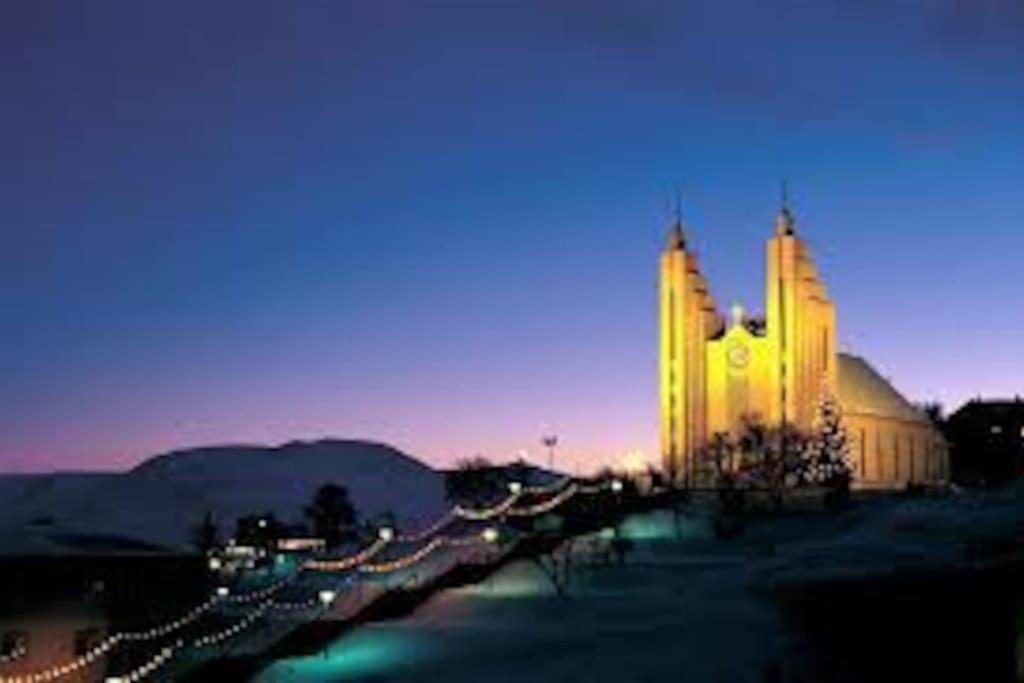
(713, 375)
(676, 236)
(785, 223)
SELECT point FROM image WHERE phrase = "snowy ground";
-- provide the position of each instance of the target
(673, 607)
(684, 607)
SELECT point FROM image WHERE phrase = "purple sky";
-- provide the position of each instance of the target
(437, 225)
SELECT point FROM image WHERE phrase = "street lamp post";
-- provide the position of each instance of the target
(326, 598)
(550, 442)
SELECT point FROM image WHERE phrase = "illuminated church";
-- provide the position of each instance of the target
(777, 370)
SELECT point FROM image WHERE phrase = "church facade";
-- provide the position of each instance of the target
(777, 370)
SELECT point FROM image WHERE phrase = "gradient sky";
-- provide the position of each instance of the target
(437, 225)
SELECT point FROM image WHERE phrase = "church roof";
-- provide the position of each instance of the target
(862, 390)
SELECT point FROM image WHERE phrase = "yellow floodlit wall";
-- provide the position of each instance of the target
(714, 373)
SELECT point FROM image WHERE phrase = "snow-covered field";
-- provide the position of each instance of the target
(673, 607)
(967, 530)
(686, 607)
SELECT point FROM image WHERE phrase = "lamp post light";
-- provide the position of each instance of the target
(385, 533)
(215, 564)
(490, 536)
(515, 487)
(223, 591)
(326, 598)
(616, 486)
(550, 442)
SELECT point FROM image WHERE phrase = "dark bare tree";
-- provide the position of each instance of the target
(258, 531)
(557, 566)
(771, 459)
(934, 411)
(476, 481)
(332, 514)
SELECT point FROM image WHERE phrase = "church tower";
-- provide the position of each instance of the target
(801, 328)
(715, 376)
(687, 314)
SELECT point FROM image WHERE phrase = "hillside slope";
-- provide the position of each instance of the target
(162, 498)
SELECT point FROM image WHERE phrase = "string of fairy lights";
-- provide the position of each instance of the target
(546, 506)
(404, 561)
(296, 605)
(171, 626)
(112, 641)
(488, 513)
(350, 562)
(265, 598)
(149, 667)
(443, 521)
(234, 629)
(253, 596)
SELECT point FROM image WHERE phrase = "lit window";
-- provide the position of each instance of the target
(13, 644)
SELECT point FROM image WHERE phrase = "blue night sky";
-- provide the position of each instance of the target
(437, 225)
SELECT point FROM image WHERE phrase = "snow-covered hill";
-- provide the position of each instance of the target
(161, 499)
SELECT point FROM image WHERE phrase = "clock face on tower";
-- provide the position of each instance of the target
(738, 356)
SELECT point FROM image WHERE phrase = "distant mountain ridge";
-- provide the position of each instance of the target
(158, 501)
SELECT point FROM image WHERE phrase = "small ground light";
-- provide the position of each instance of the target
(515, 486)
(490, 534)
(327, 596)
(385, 533)
(616, 485)
(222, 591)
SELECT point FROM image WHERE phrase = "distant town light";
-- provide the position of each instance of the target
(634, 461)
(327, 596)
(385, 533)
(515, 487)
